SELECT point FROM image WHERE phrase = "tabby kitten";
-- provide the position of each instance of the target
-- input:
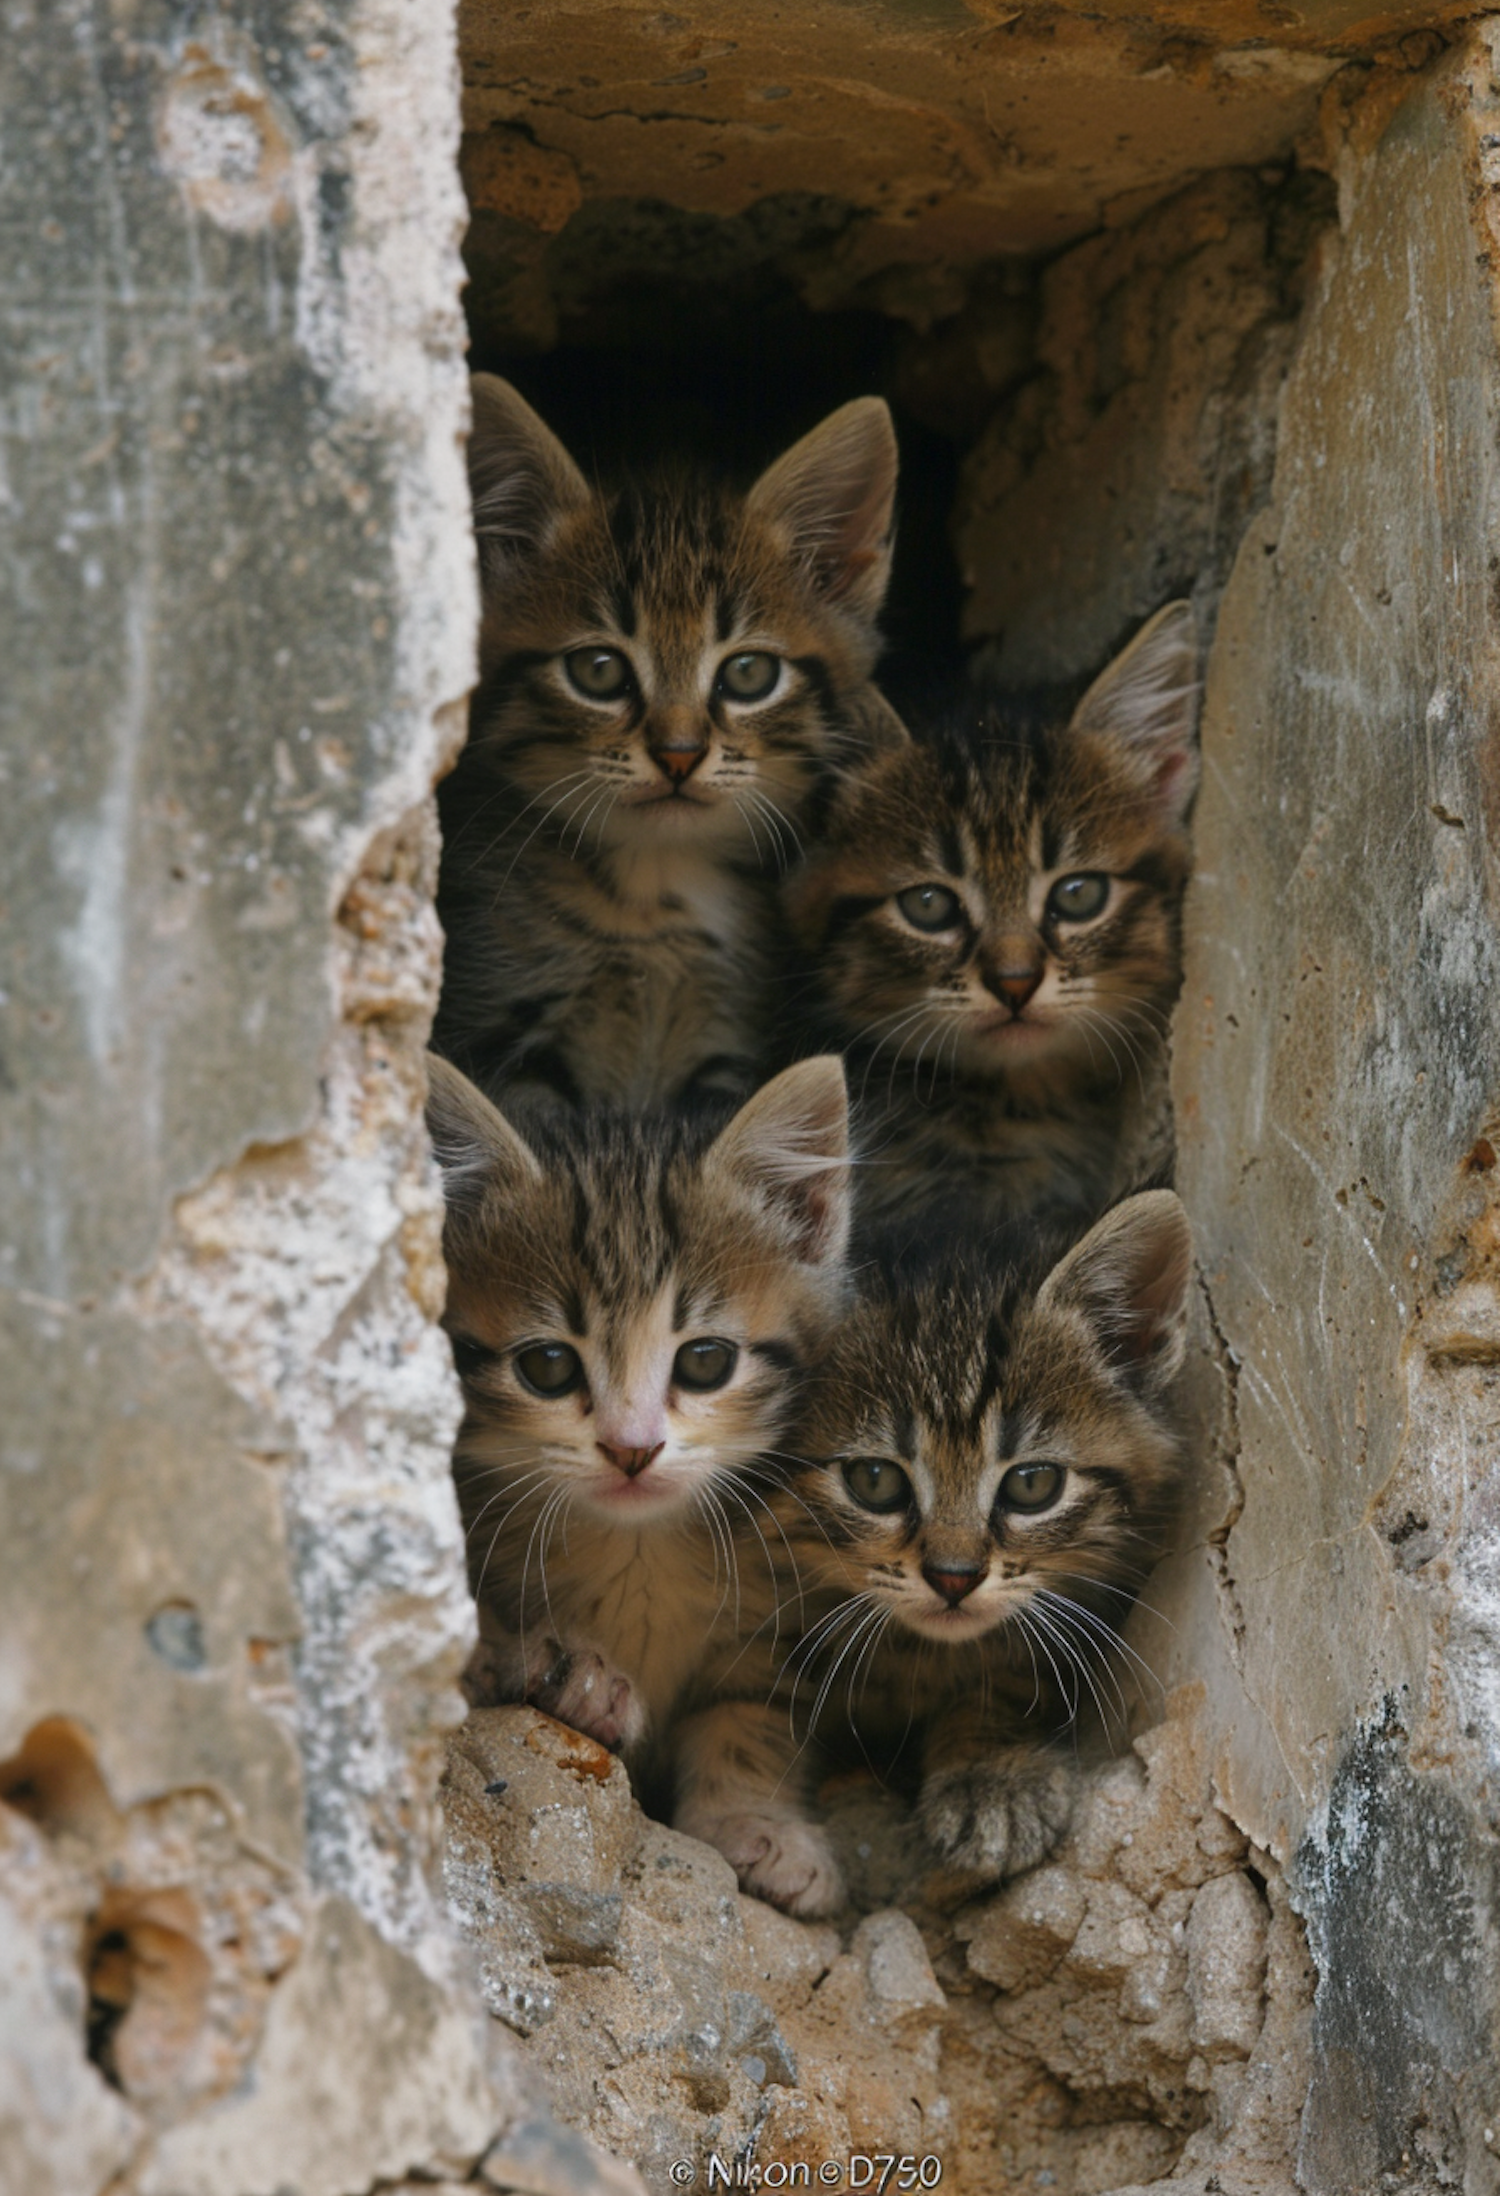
(993, 921)
(632, 1307)
(990, 1465)
(666, 668)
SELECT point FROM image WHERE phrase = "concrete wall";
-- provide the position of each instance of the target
(1338, 1080)
(236, 617)
(1338, 1040)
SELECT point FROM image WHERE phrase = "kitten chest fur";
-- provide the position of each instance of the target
(646, 1601)
(659, 961)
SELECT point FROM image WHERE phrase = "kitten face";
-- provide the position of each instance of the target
(1007, 907)
(665, 666)
(989, 1455)
(630, 1312)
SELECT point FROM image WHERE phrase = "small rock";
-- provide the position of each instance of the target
(1226, 1953)
(1113, 1937)
(786, 1958)
(564, 1814)
(1109, 1810)
(543, 2158)
(752, 2022)
(1021, 1935)
(898, 1974)
(1145, 1991)
(686, 1885)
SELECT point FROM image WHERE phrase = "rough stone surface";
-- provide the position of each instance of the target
(1126, 468)
(1089, 2022)
(363, 2068)
(237, 624)
(868, 152)
(1338, 1071)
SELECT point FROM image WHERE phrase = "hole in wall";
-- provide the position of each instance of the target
(679, 388)
(54, 1780)
(1029, 395)
(173, 1932)
(148, 1984)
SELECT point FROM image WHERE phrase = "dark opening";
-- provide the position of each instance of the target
(676, 372)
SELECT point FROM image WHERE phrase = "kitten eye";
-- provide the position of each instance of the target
(599, 674)
(549, 1368)
(1078, 899)
(876, 1483)
(705, 1364)
(929, 907)
(749, 677)
(1031, 1486)
(470, 1357)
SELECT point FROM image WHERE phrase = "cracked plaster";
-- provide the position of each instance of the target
(238, 627)
(948, 133)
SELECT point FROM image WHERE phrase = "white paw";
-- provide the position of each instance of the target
(786, 1862)
(584, 1691)
(994, 1819)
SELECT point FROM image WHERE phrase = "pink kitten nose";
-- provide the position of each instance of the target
(955, 1584)
(679, 763)
(1014, 985)
(632, 1462)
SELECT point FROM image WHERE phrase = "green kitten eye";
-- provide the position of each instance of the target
(929, 907)
(599, 674)
(1031, 1486)
(549, 1368)
(876, 1483)
(750, 677)
(1078, 899)
(704, 1364)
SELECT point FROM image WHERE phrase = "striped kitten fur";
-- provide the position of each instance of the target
(632, 1308)
(666, 669)
(989, 1469)
(993, 923)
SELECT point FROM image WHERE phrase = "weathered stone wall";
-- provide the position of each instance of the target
(1136, 2008)
(1339, 1081)
(1337, 1048)
(236, 624)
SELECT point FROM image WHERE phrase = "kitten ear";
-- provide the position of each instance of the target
(790, 1145)
(833, 493)
(472, 1141)
(520, 475)
(874, 727)
(1147, 702)
(1129, 1278)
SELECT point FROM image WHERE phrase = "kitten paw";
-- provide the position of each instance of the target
(590, 1695)
(994, 1819)
(787, 1863)
(489, 1678)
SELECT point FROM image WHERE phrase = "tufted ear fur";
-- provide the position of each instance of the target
(833, 495)
(473, 1142)
(790, 1145)
(1129, 1278)
(520, 476)
(874, 727)
(1146, 702)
